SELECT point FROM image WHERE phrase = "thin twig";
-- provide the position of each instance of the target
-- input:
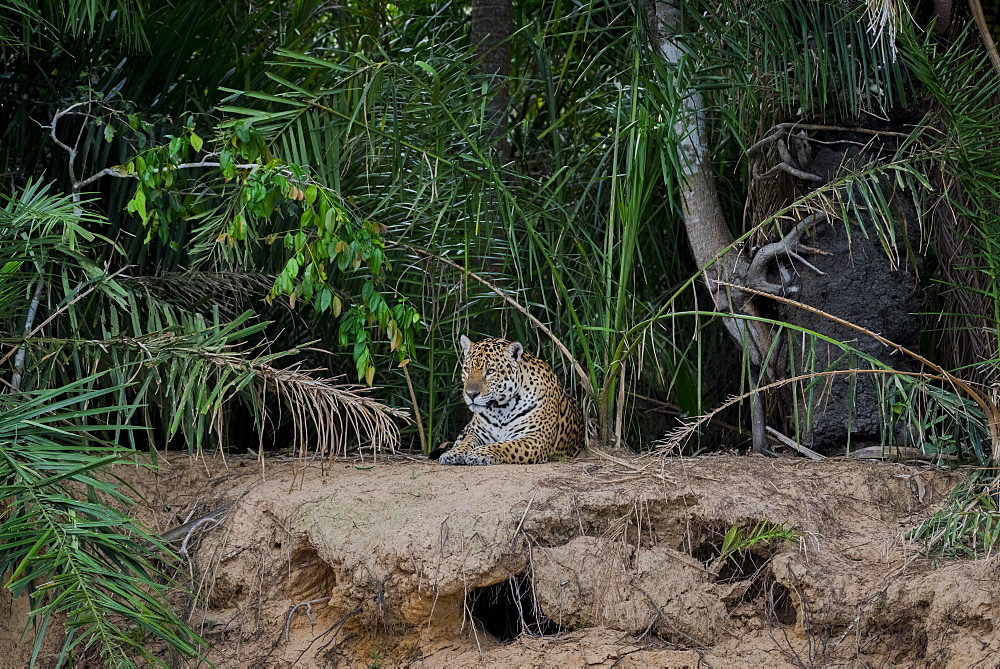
(628, 465)
(336, 626)
(119, 172)
(416, 409)
(524, 515)
(984, 32)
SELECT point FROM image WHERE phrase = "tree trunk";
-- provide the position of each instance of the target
(492, 26)
(711, 241)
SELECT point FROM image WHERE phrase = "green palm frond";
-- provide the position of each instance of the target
(825, 61)
(963, 136)
(66, 539)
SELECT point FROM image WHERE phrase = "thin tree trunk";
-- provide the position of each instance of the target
(29, 322)
(712, 244)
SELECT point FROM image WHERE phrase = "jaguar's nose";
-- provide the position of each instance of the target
(472, 394)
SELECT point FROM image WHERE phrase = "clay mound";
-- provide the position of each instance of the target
(586, 563)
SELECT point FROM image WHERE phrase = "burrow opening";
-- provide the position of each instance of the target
(508, 609)
(751, 565)
(740, 565)
(780, 604)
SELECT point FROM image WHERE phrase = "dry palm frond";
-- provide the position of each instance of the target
(883, 21)
(332, 413)
(194, 375)
(335, 411)
(230, 291)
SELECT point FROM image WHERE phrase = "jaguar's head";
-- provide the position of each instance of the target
(490, 372)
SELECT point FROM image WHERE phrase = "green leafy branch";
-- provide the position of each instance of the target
(320, 239)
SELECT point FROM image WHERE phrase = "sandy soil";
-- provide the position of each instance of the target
(409, 563)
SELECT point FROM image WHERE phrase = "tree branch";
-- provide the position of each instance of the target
(756, 276)
(119, 171)
(29, 321)
(71, 150)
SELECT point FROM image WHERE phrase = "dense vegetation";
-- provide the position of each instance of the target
(205, 206)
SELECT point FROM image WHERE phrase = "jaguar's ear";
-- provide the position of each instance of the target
(466, 344)
(515, 351)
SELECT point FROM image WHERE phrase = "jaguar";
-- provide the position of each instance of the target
(521, 414)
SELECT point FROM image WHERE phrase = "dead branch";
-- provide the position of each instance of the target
(198, 524)
(984, 32)
(794, 445)
(188, 528)
(782, 130)
(71, 150)
(756, 275)
(308, 605)
(794, 171)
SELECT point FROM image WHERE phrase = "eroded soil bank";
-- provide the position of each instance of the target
(409, 563)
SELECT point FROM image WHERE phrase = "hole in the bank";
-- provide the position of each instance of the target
(780, 604)
(741, 566)
(508, 609)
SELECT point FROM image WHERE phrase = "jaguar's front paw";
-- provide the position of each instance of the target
(471, 459)
(450, 458)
